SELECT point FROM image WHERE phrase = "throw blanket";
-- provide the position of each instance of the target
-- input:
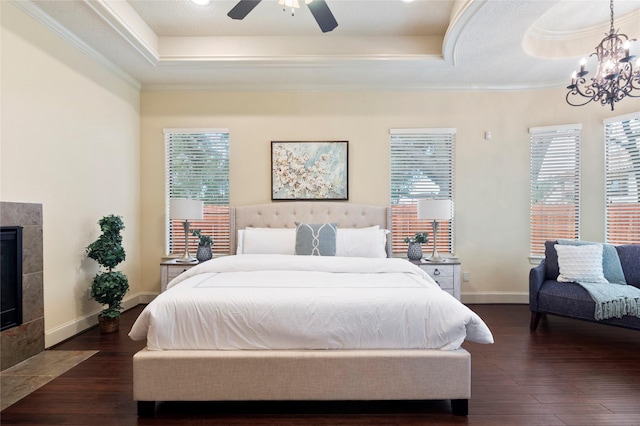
(615, 299)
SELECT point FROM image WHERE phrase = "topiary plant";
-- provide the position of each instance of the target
(109, 288)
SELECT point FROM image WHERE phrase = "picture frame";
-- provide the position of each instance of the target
(313, 170)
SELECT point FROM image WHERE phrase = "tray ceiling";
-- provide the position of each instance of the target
(378, 44)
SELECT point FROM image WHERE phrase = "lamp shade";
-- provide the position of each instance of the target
(435, 209)
(181, 208)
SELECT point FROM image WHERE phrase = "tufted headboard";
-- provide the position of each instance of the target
(285, 214)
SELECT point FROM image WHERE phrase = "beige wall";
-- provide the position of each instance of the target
(85, 143)
(491, 180)
(70, 133)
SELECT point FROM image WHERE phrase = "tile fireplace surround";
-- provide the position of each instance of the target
(24, 341)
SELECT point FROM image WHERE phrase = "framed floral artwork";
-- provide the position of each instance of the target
(309, 170)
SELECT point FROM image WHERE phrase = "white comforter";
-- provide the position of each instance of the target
(306, 302)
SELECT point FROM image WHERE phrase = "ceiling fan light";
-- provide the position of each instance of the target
(293, 4)
(290, 3)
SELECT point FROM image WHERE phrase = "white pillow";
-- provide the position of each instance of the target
(580, 263)
(267, 241)
(350, 242)
(361, 242)
(239, 241)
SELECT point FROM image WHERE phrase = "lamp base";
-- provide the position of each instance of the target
(435, 257)
(436, 260)
(186, 260)
(186, 256)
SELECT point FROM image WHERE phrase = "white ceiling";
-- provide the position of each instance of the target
(378, 44)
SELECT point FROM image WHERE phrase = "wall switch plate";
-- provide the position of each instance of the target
(465, 277)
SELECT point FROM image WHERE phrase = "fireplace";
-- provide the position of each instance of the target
(22, 334)
(10, 276)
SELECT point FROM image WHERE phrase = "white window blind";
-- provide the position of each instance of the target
(622, 175)
(555, 185)
(421, 167)
(197, 167)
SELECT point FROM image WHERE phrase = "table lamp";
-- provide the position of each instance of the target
(183, 209)
(435, 210)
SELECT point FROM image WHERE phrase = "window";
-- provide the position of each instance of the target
(421, 167)
(622, 176)
(197, 167)
(555, 185)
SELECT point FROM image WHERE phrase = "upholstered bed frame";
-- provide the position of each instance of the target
(287, 375)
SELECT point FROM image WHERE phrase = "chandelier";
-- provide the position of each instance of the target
(615, 76)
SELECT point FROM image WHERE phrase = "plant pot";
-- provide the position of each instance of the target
(108, 325)
(204, 252)
(414, 252)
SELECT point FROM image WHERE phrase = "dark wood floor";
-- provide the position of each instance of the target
(567, 373)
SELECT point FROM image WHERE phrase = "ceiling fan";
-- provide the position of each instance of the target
(319, 9)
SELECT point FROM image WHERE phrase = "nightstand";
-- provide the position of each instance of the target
(445, 274)
(170, 269)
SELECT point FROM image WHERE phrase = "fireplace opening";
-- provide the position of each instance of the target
(11, 276)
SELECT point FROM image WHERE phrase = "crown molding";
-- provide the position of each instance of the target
(350, 87)
(597, 32)
(129, 25)
(36, 13)
(462, 15)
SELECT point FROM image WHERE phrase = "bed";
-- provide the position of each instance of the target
(275, 351)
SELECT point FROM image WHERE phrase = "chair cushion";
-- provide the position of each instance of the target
(573, 301)
(567, 299)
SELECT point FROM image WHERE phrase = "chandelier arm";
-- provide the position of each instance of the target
(580, 88)
(576, 104)
(634, 84)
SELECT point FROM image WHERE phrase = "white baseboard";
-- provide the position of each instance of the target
(486, 298)
(65, 331)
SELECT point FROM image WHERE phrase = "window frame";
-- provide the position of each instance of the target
(622, 179)
(216, 206)
(554, 221)
(435, 165)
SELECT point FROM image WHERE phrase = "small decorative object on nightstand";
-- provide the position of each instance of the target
(171, 269)
(414, 250)
(204, 246)
(445, 274)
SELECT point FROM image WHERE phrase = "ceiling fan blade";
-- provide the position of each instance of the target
(323, 16)
(242, 9)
